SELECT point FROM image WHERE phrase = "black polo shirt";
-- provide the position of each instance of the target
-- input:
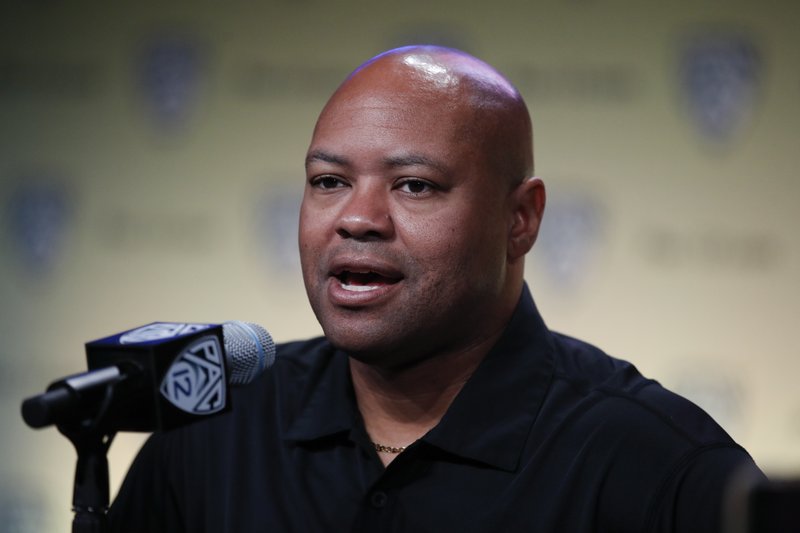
(549, 435)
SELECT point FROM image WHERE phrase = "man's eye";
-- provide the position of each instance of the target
(327, 182)
(414, 186)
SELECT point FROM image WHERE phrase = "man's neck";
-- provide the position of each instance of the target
(401, 405)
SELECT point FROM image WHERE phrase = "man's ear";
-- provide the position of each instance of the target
(527, 208)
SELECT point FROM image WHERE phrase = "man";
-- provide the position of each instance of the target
(437, 400)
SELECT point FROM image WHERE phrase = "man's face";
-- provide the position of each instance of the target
(403, 228)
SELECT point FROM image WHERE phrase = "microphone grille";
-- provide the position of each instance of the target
(249, 350)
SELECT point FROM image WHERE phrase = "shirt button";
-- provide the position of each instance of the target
(378, 499)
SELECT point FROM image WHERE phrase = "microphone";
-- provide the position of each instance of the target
(752, 503)
(154, 377)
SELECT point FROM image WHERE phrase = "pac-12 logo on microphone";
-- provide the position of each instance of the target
(159, 331)
(195, 382)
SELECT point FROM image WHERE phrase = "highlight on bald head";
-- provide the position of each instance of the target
(446, 68)
(494, 117)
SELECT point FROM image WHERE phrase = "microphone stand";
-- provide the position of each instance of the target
(91, 439)
(79, 406)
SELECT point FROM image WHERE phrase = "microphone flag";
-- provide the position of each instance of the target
(176, 373)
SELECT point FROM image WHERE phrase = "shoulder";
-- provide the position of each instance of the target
(653, 446)
(620, 395)
(587, 367)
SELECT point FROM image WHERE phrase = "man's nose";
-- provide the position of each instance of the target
(366, 214)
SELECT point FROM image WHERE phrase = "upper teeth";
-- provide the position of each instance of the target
(358, 288)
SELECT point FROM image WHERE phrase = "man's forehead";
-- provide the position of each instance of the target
(387, 106)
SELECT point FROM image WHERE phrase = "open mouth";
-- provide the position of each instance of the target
(364, 281)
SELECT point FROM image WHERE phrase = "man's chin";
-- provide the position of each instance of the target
(391, 356)
(368, 347)
(365, 347)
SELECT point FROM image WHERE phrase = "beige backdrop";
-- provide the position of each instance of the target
(151, 167)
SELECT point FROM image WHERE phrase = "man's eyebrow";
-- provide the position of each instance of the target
(414, 160)
(319, 155)
(406, 160)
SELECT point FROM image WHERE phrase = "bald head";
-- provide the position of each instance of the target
(418, 210)
(486, 109)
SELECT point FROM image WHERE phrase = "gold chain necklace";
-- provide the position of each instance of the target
(380, 448)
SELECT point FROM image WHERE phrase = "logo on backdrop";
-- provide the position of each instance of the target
(277, 211)
(159, 331)
(572, 227)
(720, 75)
(171, 70)
(195, 382)
(38, 212)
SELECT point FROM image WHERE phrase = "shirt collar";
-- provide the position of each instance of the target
(327, 406)
(490, 419)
